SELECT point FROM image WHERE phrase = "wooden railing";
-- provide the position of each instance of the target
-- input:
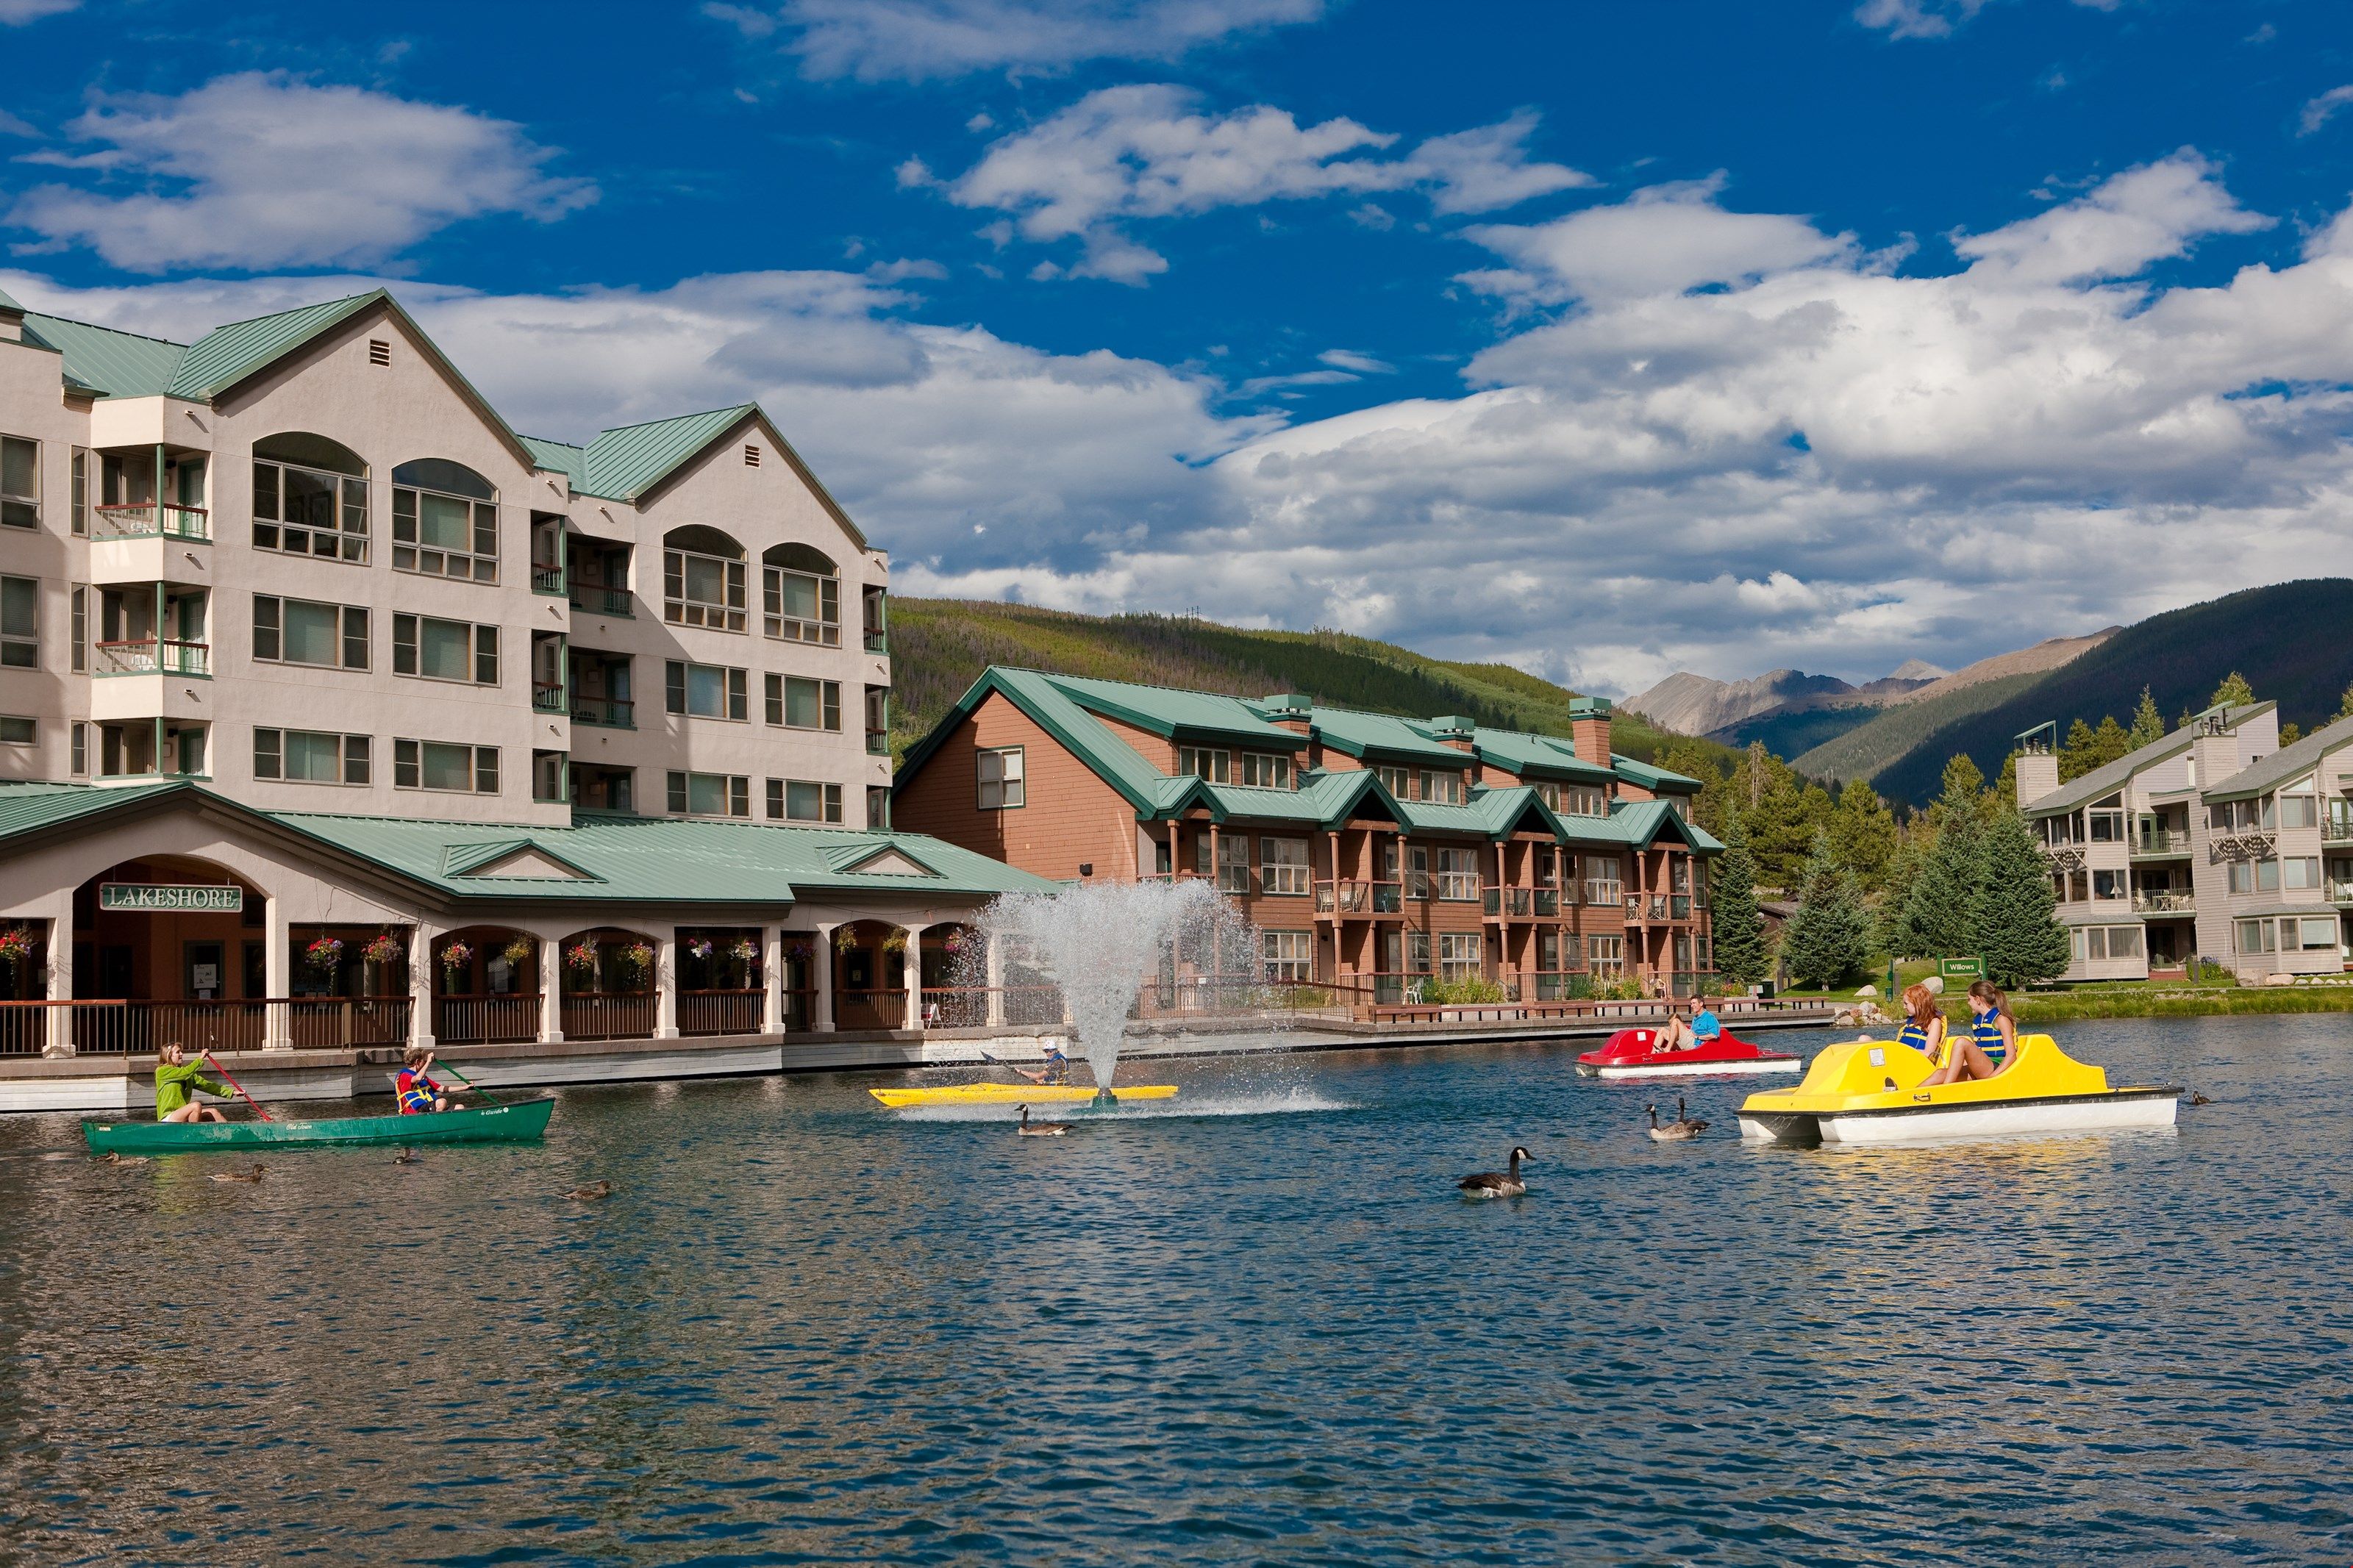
(1358, 898)
(611, 1014)
(485, 1020)
(138, 1028)
(870, 1009)
(721, 1011)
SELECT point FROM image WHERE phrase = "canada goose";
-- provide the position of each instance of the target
(1502, 1183)
(408, 1157)
(252, 1176)
(2197, 1099)
(1676, 1131)
(591, 1192)
(1043, 1129)
(115, 1157)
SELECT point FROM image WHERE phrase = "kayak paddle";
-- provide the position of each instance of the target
(470, 1083)
(207, 1056)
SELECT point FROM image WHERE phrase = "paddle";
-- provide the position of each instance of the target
(470, 1083)
(207, 1056)
(1008, 1067)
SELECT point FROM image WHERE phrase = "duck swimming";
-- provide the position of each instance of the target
(252, 1176)
(1676, 1131)
(590, 1191)
(114, 1157)
(1502, 1183)
(408, 1157)
(1043, 1129)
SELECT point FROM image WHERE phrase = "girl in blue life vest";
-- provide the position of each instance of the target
(1924, 1025)
(1991, 1043)
(418, 1094)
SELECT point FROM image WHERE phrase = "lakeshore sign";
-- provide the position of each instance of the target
(207, 898)
(1960, 969)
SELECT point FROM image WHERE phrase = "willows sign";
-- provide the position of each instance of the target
(177, 898)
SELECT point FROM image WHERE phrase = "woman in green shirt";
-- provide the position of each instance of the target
(175, 1075)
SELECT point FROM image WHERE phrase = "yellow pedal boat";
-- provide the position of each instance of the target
(1017, 1094)
(1870, 1091)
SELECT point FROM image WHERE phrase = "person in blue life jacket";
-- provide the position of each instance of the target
(414, 1086)
(1057, 1070)
(1991, 1044)
(1703, 1028)
(1924, 1025)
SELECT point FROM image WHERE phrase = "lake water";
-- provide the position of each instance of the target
(806, 1329)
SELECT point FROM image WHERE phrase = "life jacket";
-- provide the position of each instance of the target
(1986, 1030)
(1057, 1068)
(416, 1091)
(1915, 1034)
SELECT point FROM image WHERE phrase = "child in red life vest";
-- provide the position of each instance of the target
(417, 1092)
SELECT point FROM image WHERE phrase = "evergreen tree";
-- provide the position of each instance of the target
(2234, 691)
(1962, 778)
(2005, 782)
(1692, 760)
(1742, 954)
(1824, 943)
(1935, 919)
(2148, 724)
(1784, 815)
(1888, 930)
(2291, 733)
(2074, 752)
(2344, 705)
(1863, 835)
(2010, 921)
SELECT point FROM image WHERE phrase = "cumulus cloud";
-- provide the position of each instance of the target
(1146, 152)
(2323, 109)
(930, 40)
(2142, 216)
(262, 169)
(17, 13)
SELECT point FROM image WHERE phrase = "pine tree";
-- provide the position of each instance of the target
(2234, 690)
(1888, 930)
(1742, 954)
(2074, 752)
(2344, 705)
(1863, 835)
(1934, 920)
(2148, 724)
(2291, 733)
(2010, 909)
(1962, 777)
(1824, 943)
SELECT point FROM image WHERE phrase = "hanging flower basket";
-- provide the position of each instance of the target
(955, 942)
(325, 955)
(637, 960)
(16, 946)
(457, 958)
(743, 950)
(385, 948)
(518, 952)
(798, 951)
(845, 938)
(581, 959)
(896, 941)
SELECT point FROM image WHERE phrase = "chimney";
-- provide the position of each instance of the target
(1589, 729)
(1453, 729)
(2038, 762)
(1291, 710)
(2214, 749)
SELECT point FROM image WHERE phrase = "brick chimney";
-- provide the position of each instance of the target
(1589, 729)
(2038, 762)
(1451, 729)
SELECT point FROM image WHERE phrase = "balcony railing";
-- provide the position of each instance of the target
(877, 640)
(485, 1020)
(1358, 898)
(1679, 906)
(140, 520)
(878, 743)
(870, 1009)
(598, 599)
(546, 579)
(1514, 902)
(547, 698)
(2163, 904)
(2161, 841)
(611, 1014)
(138, 1028)
(614, 712)
(2336, 828)
(1547, 902)
(731, 1012)
(2340, 890)
(145, 655)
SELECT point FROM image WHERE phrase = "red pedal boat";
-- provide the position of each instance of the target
(1635, 1053)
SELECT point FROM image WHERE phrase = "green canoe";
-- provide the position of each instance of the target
(518, 1121)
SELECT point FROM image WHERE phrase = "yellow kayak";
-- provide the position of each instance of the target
(1015, 1094)
(1872, 1092)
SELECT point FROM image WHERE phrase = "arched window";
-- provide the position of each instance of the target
(445, 521)
(310, 497)
(800, 595)
(703, 579)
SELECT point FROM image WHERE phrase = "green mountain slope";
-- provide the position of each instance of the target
(1870, 749)
(939, 647)
(1785, 734)
(2289, 640)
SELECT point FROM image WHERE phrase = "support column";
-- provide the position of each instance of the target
(277, 968)
(997, 976)
(665, 984)
(823, 965)
(914, 976)
(772, 961)
(550, 990)
(421, 938)
(59, 980)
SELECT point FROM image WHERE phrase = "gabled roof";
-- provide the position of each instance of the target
(113, 363)
(559, 458)
(625, 462)
(227, 355)
(1169, 712)
(1655, 779)
(1382, 737)
(2289, 762)
(27, 807)
(1536, 756)
(1086, 737)
(1324, 799)
(2110, 777)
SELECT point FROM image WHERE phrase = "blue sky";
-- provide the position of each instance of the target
(1605, 340)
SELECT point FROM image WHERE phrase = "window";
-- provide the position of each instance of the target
(702, 591)
(78, 506)
(2124, 941)
(1000, 778)
(1458, 875)
(2299, 810)
(1602, 879)
(1203, 762)
(2242, 877)
(1233, 870)
(445, 521)
(1445, 789)
(20, 482)
(2300, 871)
(710, 795)
(1398, 781)
(2257, 936)
(434, 650)
(1265, 770)
(2107, 826)
(2318, 932)
(800, 704)
(1289, 955)
(302, 756)
(802, 800)
(1606, 952)
(706, 691)
(77, 653)
(17, 732)
(295, 631)
(1282, 864)
(1458, 954)
(20, 623)
(549, 776)
(801, 606)
(1574, 800)
(314, 512)
(436, 764)
(2108, 884)
(878, 808)
(2267, 876)
(78, 733)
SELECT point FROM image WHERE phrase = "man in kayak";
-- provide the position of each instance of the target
(1704, 1029)
(418, 1094)
(1056, 1071)
(175, 1075)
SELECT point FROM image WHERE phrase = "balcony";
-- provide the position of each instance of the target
(2336, 828)
(546, 696)
(596, 599)
(2340, 890)
(1358, 898)
(1511, 902)
(2153, 842)
(878, 743)
(877, 640)
(2164, 901)
(146, 655)
(613, 713)
(1652, 907)
(1547, 903)
(547, 578)
(1679, 906)
(143, 520)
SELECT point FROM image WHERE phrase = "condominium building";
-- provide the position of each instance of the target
(2214, 842)
(1367, 849)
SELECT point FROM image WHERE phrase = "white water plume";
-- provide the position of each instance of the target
(1102, 942)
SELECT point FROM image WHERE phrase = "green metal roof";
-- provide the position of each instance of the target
(559, 456)
(1542, 757)
(27, 807)
(1653, 778)
(227, 355)
(1382, 737)
(624, 463)
(2111, 777)
(117, 365)
(2287, 763)
(8, 301)
(1167, 711)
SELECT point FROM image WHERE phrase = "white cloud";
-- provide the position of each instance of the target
(17, 13)
(2321, 109)
(1147, 151)
(931, 40)
(12, 126)
(2142, 216)
(1362, 363)
(1935, 19)
(261, 170)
